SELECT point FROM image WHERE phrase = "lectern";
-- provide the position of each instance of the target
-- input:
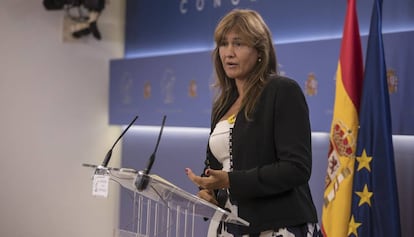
(160, 208)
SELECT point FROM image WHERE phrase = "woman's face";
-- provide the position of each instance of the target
(238, 59)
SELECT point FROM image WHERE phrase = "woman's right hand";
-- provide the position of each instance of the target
(208, 195)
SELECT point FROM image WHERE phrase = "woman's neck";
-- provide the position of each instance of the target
(240, 88)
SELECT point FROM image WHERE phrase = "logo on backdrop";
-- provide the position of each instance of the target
(392, 80)
(167, 86)
(311, 85)
(192, 89)
(147, 89)
(200, 5)
(125, 88)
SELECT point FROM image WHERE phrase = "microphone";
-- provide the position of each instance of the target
(143, 179)
(152, 157)
(109, 154)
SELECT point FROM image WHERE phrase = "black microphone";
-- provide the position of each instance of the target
(142, 181)
(152, 157)
(109, 154)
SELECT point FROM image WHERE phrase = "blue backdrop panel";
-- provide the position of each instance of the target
(159, 26)
(399, 58)
(176, 85)
(179, 86)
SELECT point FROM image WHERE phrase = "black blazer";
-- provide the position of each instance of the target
(272, 160)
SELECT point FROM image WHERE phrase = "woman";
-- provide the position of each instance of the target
(259, 152)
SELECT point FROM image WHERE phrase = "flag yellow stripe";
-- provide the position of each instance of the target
(337, 195)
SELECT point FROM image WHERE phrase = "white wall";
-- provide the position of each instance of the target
(54, 117)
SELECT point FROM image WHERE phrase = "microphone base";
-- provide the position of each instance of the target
(142, 181)
(101, 170)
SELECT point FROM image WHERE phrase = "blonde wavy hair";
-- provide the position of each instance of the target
(255, 33)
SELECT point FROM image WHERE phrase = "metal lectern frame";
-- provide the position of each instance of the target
(162, 209)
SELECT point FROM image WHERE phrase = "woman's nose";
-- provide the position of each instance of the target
(229, 51)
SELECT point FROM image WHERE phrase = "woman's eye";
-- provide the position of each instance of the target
(224, 43)
(236, 44)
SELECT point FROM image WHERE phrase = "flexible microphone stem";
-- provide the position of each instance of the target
(143, 179)
(109, 154)
(152, 157)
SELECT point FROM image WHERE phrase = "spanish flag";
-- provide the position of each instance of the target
(375, 207)
(336, 208)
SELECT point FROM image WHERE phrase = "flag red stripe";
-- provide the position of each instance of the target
(351, 57)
